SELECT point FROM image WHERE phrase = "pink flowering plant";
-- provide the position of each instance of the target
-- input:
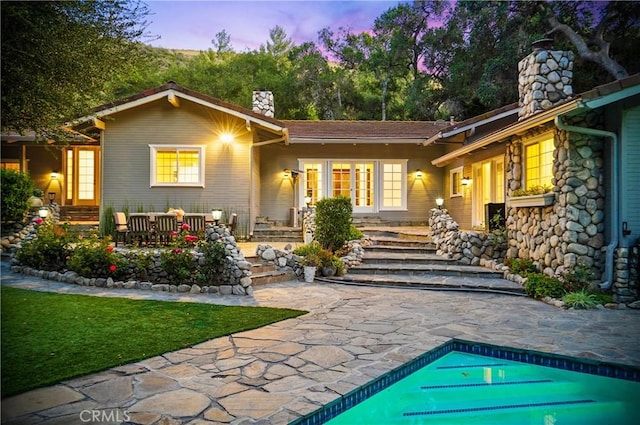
(184, 238)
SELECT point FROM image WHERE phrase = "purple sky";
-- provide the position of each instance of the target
(193, 24)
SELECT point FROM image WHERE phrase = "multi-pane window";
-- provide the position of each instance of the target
(538, 160)
(10, 165)
(393, 185)
(179, 166)
(456, 182)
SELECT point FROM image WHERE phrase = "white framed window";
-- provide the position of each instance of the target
(455, 182)
(538, 161)
(177, 165)
(10, 164)
(393, 176)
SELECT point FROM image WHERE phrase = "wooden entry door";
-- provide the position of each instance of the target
(82, 176)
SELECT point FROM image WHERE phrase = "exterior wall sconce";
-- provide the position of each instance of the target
(54, 175)
(52, 197)
(217, 215)
(286, 174)
(418, 173)
(43, 212)
(466, 181)
(439, 202)
(226, 138)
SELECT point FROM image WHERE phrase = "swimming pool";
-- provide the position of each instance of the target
(464, 382)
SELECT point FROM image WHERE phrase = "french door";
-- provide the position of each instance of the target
(82, 179)
(355, 180)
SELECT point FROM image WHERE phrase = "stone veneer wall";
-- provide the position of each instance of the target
(572, 228)
(263, 103)
(626, 275)
(544, 79)
(13, 233)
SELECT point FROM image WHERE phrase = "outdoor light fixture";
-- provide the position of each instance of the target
(286, 173)
(418, 173)
(226, 137)
(43, 212)
(439, 202)
(52, 197)
(217, 215)
(466, 181)
(54, 175)
(307, 200)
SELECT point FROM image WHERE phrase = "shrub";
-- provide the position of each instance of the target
(17, 188)
(49, 250)
(310, 248)
(333, 222)
(339, 265)
(580, 299)
(211, 268)
(539, 286)
(523, 267)
(93, 257)
(311, 260)
(355, 233)
(107, 224)
(577, 277)
(179, 264)
(325, 257)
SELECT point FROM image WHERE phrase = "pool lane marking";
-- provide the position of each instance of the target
(507, 406)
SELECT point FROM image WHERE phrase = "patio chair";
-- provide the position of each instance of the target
(140, 228)
(233, 223)
(196, 222)
(166, 224)
(121, 229)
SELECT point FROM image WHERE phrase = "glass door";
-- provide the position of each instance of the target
(82, 176)
(354, 180)
(488, 187)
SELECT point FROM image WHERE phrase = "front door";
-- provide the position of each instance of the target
(488, 187)
(82, 176)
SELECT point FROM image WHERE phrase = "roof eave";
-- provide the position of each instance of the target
(519, 127)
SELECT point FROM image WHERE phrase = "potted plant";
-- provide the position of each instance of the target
(310, 262)
(326, 263)
(36, 198)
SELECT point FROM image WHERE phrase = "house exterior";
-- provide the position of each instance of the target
(584, 149)
(171, 147)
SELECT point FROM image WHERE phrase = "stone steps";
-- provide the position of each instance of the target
(264, 274)
(407, 258)
(277, 234)
(79, 213)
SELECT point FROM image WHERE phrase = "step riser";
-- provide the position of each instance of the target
(426, 285)
(399, 250)
(269, 279)
(429, 261)
(276, 239)
(436, 272)
(405, 243)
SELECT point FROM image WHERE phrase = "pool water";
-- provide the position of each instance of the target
(465, 388)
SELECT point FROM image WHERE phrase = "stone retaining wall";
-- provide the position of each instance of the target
(13, 233)
(467, 247)
(235, 278)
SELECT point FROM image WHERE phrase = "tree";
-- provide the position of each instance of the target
(620, 21)
(222, 43)
(56, 57)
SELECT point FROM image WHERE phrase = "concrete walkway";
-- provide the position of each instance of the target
(277, 373)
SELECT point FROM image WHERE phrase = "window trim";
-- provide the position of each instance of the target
(153, 150)
(532, 141)
(455, 193)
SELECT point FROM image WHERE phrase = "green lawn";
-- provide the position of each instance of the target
(49, 337)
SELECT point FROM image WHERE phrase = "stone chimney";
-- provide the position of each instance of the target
(544, 79)
(263, 102)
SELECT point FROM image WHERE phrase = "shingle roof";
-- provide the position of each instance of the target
(363, 129)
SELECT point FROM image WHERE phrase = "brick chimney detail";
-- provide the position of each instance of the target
(263, 103)
(544, 80)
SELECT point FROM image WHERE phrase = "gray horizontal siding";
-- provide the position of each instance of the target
(126, 160)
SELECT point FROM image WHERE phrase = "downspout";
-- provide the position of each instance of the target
(608, 269)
